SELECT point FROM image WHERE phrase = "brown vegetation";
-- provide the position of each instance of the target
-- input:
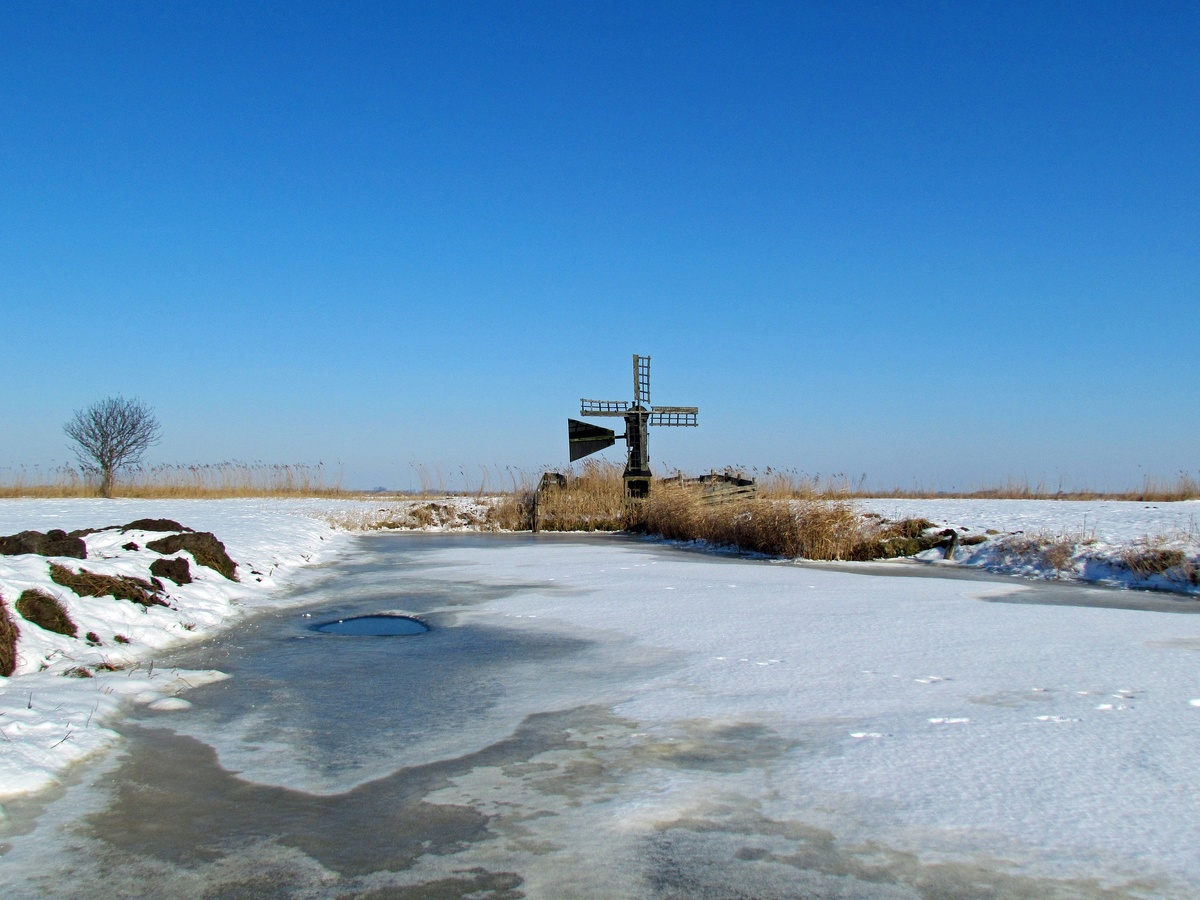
(221, 480)
(1053, 550)
(776, 484)
(809, 529)
(592, 500)
(46, 612)
(90, 584)
(1148, 559)
(8, 641)
(236, 479)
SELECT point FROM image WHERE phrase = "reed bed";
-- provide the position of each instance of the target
(787, 484)
(814, 528)
(209, 481)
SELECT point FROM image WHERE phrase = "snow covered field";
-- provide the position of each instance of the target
(1061, 738)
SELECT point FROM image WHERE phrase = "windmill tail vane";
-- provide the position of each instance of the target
(585, 438)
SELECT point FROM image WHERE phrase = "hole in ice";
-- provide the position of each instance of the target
(374, 625)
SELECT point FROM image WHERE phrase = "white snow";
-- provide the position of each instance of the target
(1046, 729)
(1095, 541)
(49, 720)
(1060, 738)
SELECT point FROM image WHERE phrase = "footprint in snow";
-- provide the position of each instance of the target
(930, 679)
(1109, 707)
(872, 735)
(948, 721)
(1056, 719)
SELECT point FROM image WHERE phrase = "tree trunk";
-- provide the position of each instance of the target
(106, 484)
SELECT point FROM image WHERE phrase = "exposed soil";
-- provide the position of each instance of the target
(177, 570)
(52, 543)
(204, 547)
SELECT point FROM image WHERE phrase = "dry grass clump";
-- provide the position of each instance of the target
(46, 612)
(812, 529)
(592, 500)
(908, 537)
(1150, 557)
(8, 641)
(512, 512)
(1052, 550)
(90, 584)
(219, 480)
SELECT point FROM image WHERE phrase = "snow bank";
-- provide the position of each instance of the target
(54, 708)
(1119, 543)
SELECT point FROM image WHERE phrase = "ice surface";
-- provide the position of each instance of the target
(609, 718)
(667, 707)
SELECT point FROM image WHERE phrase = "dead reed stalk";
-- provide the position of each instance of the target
(168, 481)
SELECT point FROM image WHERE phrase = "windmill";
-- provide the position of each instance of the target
(585, 438)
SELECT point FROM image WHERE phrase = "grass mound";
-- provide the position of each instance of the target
(45, 612)
(1149, 561)
(204, 547)
(8, 641)
(908, 537)
(154, 525)
(123, 587)
(53, 543)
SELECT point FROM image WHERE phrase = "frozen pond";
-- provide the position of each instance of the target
(607, 718)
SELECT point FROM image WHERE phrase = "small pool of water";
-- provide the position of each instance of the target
(374, 625)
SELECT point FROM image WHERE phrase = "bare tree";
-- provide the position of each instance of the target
(110, 434)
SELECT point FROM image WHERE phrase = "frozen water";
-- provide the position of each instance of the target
(374, 626)
(604, 718)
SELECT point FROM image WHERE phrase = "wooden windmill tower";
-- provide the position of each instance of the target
(639, 415)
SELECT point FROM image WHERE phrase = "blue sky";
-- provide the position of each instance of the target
(934, 243)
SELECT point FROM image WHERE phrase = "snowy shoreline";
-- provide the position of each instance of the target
(50, 720)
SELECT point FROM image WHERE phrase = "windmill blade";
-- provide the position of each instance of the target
(674, 415)
(585, 438)
(641, 380)
(603, 407)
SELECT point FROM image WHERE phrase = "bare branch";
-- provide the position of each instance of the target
(111, 434)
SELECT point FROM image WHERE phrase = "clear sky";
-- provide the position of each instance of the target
(934, 242)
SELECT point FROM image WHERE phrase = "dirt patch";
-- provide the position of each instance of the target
(123, 587)
(45, 612)
(204, 547)
(8, 640)
(154, 525)
(53, 543)
(175, 569)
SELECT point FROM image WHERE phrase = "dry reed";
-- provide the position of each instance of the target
(814, 528)
(786, 484)
(219, 480)
(592, 500)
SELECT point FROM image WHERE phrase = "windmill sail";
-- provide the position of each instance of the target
(586, 439)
